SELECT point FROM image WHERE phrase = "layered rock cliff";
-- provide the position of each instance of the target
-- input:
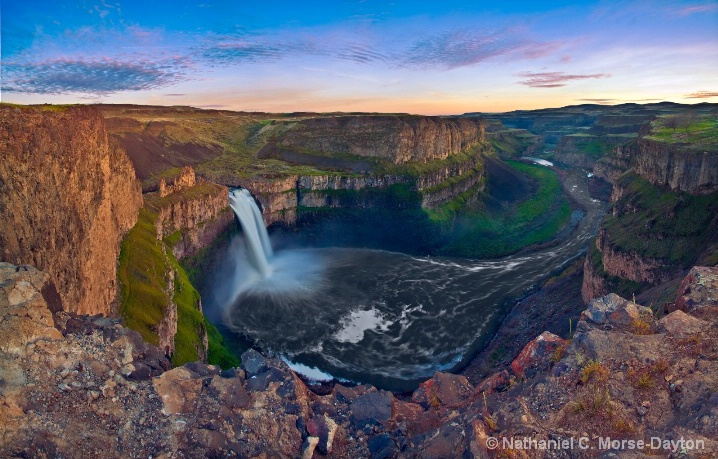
(583, 150)
(67, 196)
(678, 166)
(192, 212)
(399, 139)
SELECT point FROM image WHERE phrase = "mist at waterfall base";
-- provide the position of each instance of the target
(370, 316)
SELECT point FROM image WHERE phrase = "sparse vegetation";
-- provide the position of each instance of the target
(594, 371)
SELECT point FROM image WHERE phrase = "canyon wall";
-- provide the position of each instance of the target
(66, 199)
(665, 198)
(679, 166)
(399, 139)
(191, 211)
(583, 150)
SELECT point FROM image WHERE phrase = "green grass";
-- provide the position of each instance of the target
(701, 132)
(480, 232)
(511, 142)
(144, 267)
(595, 148)
(662, 224)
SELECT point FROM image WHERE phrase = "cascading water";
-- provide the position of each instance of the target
(373, 316)
(250, 217)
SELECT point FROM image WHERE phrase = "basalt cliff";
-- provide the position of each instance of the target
(663, 214)
(67, 197)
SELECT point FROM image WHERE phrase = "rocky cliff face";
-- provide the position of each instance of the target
(197, 213)
(399, 139)
(680, 167)
(677, 166)
(280, 197)
(66, 198)
(624, 375)
(662, 218)
(584, 150)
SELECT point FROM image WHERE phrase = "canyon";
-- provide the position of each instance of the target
(67, 357)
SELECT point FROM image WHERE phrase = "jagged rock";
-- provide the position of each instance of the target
(699, 290)
(372, 407)
(536, 355)
(680, 323)
(308, 447)
(382, 447)
(617, 312)
(253, 362)
(324, 428)
(347, 394)
(24, 315)
(496, 382)
(443, 389)
(262, 381)
(178, 389)
(412, 419)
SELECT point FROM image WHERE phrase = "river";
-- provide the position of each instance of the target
(386, 318)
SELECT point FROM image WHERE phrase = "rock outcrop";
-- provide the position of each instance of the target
(583, 150)
(623, 375)
(66, 199)
(399, 139)
(678, 166)
(195, 210)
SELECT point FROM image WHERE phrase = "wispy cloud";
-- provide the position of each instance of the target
(95, 76)
(598, 101)
(361, 54)
(243, 50)
(466, 47)
(702, 95)
(554, 79)
(697, 8)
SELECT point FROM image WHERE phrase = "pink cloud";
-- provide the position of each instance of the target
(554, 79)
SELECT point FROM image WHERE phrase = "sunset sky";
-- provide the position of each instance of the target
(427, 57)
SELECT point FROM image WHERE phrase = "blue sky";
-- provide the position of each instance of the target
(404, 56)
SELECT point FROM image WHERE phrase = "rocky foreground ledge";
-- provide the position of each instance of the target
(81, 386)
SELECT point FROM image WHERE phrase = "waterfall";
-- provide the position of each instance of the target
(255, 234)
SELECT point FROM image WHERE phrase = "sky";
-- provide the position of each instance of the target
(425, 57)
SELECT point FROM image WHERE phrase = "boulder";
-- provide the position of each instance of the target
(537, 355)
(412, 419)
(618, 313)
(698, 290)
(178, 389)
(253, 362)
(443, 389)
(324, 428)
(494, 383)
(382, 447)
(372, 407)
(680, 323)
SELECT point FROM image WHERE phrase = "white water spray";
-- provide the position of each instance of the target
(259, 248)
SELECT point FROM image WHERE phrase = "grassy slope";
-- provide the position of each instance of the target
(142, 275)
(672, 226)
(702, 132)
(480, 232)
